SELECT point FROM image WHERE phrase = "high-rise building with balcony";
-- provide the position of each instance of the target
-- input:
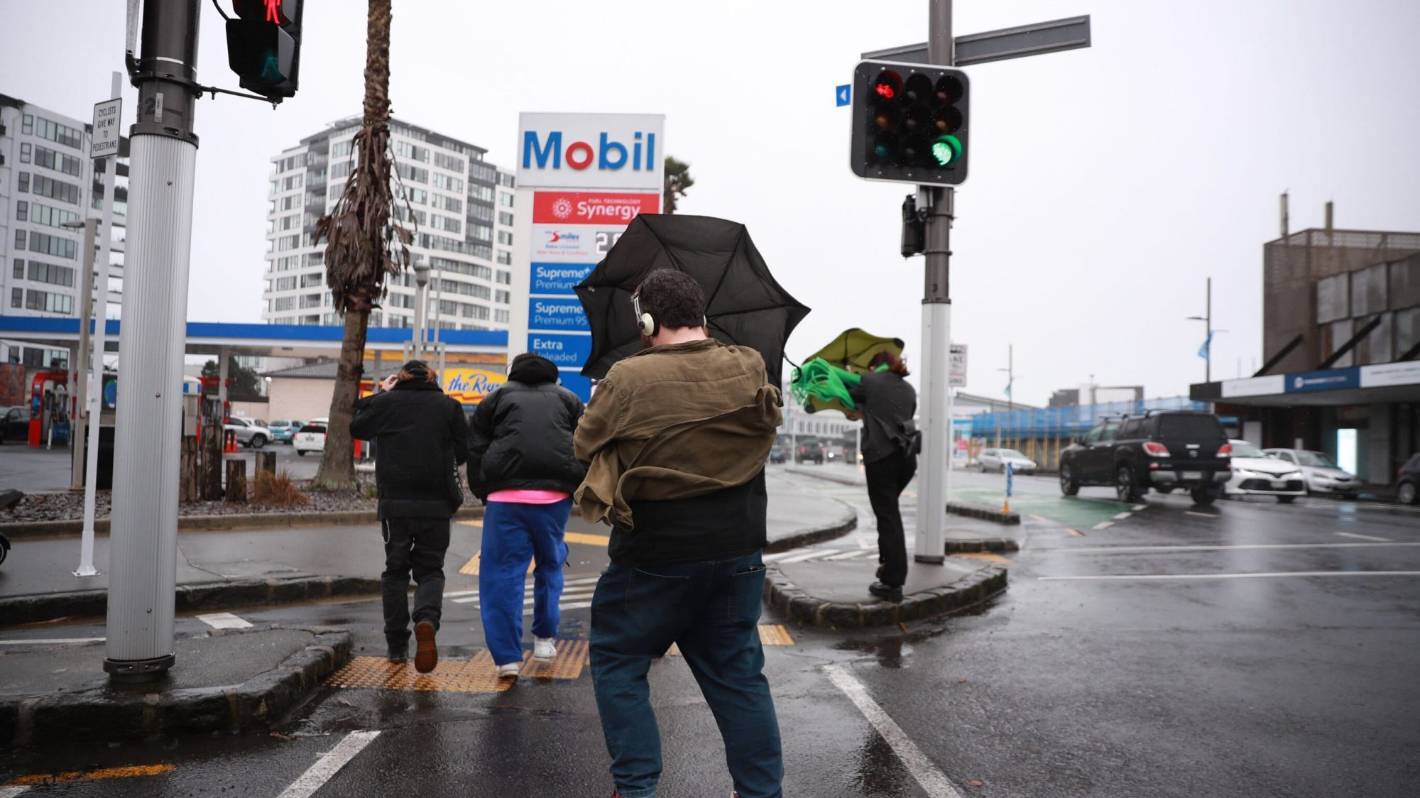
(459, 207)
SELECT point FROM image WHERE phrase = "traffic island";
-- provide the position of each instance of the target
(1008, 517)
(226, 681)
(834, 593)
(191, 597)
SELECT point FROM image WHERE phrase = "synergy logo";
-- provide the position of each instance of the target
(548, 152)
(557, 207)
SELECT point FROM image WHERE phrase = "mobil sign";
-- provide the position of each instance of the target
(616, 151)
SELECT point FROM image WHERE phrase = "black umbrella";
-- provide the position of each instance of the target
(743, 303)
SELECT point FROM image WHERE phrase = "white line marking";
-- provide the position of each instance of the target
(808, 555)
(1122, 516)
(1176, 577)
(330, 764)
(1236, 547)
(933, 782)
(1104, 525)
(1136, 508)
(1200, 515)
(1362, 537)
(11, 792)
(779, 555)
(51, 641)
(224, 620)
(848, 555)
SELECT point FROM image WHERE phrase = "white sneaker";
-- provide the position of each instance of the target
(544, 648)
(510, 671)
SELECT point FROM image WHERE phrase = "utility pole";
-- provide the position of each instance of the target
(936, 402)
(78, 369)
(1207, 319)
(163, 148)
(1010, 370)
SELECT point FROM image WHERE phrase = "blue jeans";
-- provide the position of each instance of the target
(513, 536)
(711, 610)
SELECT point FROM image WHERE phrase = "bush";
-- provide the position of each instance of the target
(277, 490)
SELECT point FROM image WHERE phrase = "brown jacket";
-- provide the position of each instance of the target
(674, 422)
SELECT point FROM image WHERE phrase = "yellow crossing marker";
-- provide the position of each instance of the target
(470, 568)
(132, 771)
(471, 522)
(994, 559)
(586, 539)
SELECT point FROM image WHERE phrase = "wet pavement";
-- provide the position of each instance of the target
(1247, 649)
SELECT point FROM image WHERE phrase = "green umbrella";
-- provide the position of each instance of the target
(853, 348)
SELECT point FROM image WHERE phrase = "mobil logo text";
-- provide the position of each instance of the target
(556, 314)
(550, 149)
(577, 207)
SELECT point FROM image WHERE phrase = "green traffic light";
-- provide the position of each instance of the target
(946, 149)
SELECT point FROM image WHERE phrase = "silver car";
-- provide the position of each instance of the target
(1322, 473)
(248, 432)
(997, 459)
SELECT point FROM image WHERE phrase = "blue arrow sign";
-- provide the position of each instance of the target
(844, 95)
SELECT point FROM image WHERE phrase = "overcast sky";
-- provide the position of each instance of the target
(1105, 185)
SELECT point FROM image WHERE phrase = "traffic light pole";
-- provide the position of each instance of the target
(143, 551)
(936, 405)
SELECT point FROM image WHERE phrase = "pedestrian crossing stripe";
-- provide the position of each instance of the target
(805, 555)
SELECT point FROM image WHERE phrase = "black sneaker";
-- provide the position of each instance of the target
(398, 652)
(885, 592)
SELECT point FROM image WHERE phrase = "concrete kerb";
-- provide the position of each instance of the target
(846, 522)
(831, 477)
(102, 713)
(32, 608)
(984, 513)
(799, 607)
(979, 545)
(217, 523)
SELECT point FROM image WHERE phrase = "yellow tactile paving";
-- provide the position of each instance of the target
(994, 559)
(586, 539)
(477, 675)
(571, 659)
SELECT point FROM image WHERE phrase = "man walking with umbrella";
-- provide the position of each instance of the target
(676, 438)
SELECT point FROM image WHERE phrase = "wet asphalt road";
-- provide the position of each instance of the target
(1248, 649)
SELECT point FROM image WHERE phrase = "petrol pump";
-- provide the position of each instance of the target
(49, 407)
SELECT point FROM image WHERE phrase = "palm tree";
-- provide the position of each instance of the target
(363, 247)
(678, 181)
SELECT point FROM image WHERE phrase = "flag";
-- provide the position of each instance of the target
(1205, 349)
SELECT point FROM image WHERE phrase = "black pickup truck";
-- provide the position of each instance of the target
(1174, 449)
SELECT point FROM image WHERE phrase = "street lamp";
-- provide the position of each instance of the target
(1206, 351)
(421, 283)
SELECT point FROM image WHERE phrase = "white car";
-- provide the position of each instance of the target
(248, 432)
(1257, 474)
(310, 437)
(1322, 474)
(996, 460)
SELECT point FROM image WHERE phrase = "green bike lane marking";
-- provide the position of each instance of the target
(1081, 513)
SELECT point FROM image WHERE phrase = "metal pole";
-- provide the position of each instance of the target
(143, 557)
(80, 364)
(95, 408)
(936, 405)
(1208, 320)
(224, 358)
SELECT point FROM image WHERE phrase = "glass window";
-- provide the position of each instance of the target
(19, 273)
(17, 297)
(22, 209)
(25, 150)
(505, 218)
(505, 238)
(24, 182)
(20, 239)
(1191, 427)
(505, 258)
(506, 200)
(27, 125)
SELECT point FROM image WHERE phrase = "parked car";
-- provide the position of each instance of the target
(1256, 473)
(1407, 488)
(284, 431)
(249, 433)
(1166, 451)
(809, 450)
(779, 453)
(4, 548)
(14, 424)
(1322, 473)
(310, 438)
(997, 460)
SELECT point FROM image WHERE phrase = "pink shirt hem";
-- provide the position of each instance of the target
(528, 496)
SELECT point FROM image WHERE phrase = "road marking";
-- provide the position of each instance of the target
(224, 620)
(1362, 537)
(848, 555)
(474, 522)
(52, 641)
(1136, 508)
(1234, 547)
(1200, 515)
(933, 782)
(1104, 525)
(1179, 577)
(995, 559)
(12, 792)
(134, 771)
(1074, 532)
(808, 555)
(1122, 516)
(586, 539)
(470, 568)
(330, 764)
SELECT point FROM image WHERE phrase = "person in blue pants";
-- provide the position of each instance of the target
(521, 465)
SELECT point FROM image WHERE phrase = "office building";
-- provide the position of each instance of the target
(47, 182)
(458, 206)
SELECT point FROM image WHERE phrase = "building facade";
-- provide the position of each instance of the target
(48, 181)
(458, 206)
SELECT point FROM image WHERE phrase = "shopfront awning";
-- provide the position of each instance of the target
(1381, 383)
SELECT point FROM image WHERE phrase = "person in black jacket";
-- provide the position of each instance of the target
(522, 467)
(887, 404)
(421, 439)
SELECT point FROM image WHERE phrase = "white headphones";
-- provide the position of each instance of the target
(646, 321)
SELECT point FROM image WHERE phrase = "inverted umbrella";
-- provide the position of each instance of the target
(744, 304)
(854, 349)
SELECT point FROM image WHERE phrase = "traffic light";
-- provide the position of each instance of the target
(910, 123)
(264, 45)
